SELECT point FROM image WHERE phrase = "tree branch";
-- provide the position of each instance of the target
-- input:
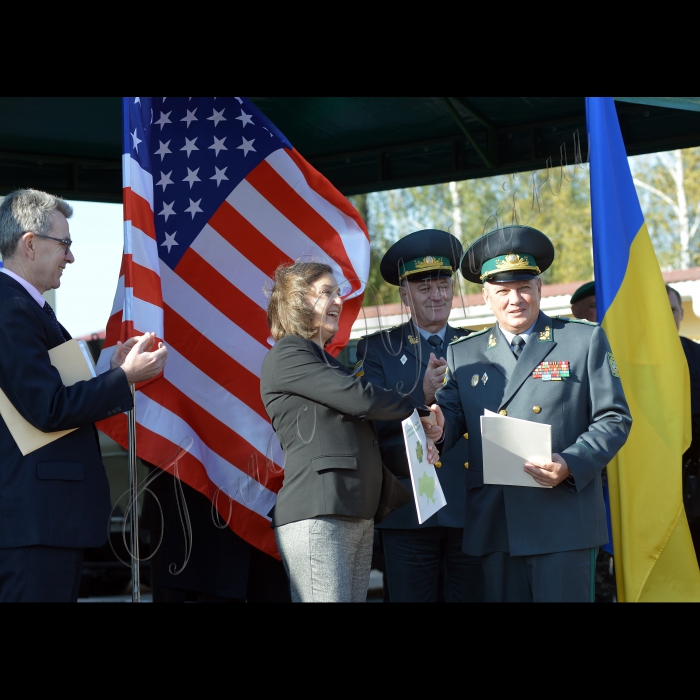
(658, 193)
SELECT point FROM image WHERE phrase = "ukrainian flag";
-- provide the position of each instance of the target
(654, 555)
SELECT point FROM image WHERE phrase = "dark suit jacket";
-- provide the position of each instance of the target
(57, 495)
(389, 359)
(323, 419)
(590, 422)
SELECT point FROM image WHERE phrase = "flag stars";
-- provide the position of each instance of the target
(194, 207)
(164, 119)
(218, 145)
(217, 116)
(245, 119)
(246, 146)
(165, 180)
(135, 141)
(190, 145)
(163, 151)
(170, 240)
(190, 117)
(167, 210)
(191, 178)
(219, 175)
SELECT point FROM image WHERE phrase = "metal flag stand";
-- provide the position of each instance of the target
(134, 511)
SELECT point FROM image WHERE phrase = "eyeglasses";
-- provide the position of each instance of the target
(63, 241)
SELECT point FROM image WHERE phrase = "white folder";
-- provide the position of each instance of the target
(507, 443)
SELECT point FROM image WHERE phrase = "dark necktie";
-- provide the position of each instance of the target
(517, 343)
(435, 341)
(52, 315)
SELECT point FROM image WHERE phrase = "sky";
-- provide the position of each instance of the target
(84, 299)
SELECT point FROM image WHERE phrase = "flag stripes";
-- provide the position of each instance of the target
(204, 230)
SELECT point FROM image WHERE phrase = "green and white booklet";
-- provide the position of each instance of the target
(427, 491)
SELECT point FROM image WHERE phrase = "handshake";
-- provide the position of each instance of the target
(433, 424)
(136, 358)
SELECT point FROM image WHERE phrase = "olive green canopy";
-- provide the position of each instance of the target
(72, 145)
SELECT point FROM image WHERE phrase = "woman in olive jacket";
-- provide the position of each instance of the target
(335, 485)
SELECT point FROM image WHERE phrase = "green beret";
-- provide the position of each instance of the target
(584, 291)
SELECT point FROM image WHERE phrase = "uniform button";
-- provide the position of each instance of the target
(466, 436)
(466, 465)
(536, 409)
(437, 465)
(503, 412)
(118, 409)
(376, 443)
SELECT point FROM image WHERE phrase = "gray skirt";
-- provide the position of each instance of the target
(327, 558)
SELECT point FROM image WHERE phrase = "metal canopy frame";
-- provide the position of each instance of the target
(71, 146)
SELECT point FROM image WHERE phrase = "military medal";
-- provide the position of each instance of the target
(552, 371)
(484, 378)
(403, 359)
(475, 379)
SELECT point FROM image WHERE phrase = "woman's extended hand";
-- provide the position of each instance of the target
(433, 454)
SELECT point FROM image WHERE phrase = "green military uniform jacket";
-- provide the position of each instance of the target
(397, 359)
(590, 422)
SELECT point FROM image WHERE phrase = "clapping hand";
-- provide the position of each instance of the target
(121, 351)
(434, 377)
(138, 362)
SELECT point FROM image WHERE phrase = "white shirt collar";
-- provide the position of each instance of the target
(440, 333)
(525, 335)
(36, 295)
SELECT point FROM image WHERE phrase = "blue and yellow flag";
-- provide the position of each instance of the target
(654, 555)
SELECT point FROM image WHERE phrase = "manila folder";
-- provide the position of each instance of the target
(74, 363)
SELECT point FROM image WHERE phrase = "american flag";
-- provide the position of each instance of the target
(215, 198)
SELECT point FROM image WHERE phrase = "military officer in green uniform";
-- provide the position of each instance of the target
(536, 544)
(411, 359)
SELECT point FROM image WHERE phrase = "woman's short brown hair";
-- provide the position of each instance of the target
(288, 312)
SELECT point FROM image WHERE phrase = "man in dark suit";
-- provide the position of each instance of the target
(537, 544)
(691, 458)
(410, 359)
(53, 501)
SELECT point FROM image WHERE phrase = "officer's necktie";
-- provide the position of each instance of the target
(435, 341)
(52, 315)
(517, 343)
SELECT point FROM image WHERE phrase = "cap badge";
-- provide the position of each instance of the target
(512, 260)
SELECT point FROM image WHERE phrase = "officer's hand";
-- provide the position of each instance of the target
(121, 351)
(141, 365)
(434, 423)
(433, 454)
(549, 473)
(434, 377)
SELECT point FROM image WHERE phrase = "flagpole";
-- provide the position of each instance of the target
(134, 511)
